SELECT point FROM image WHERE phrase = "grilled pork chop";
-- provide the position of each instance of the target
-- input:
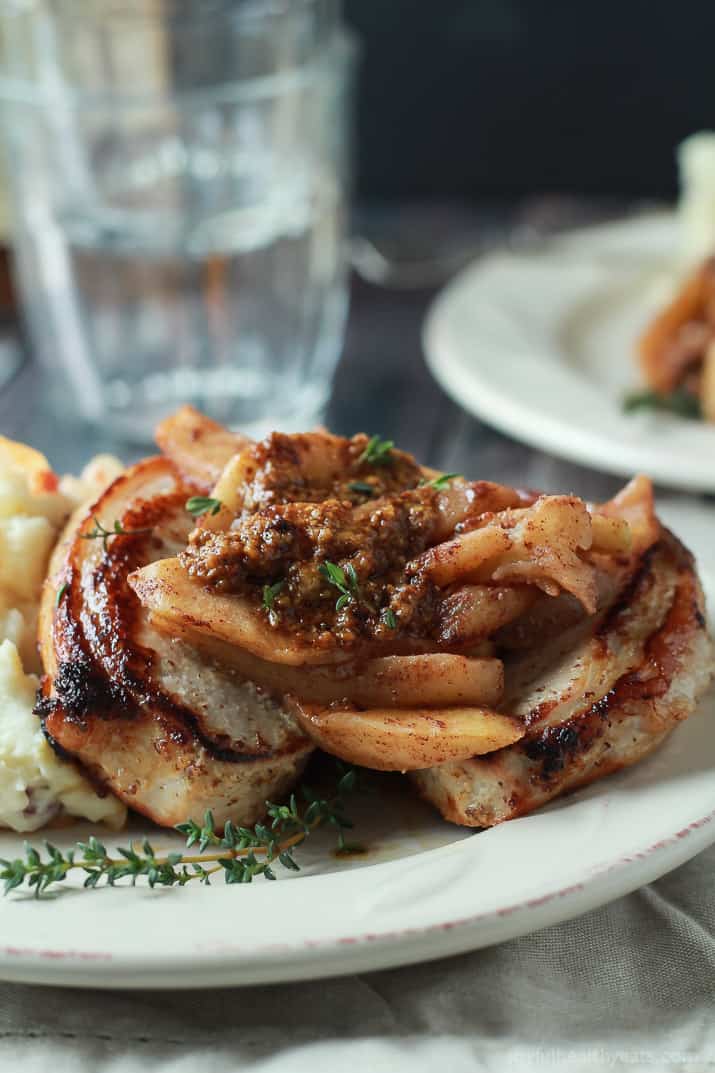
(174, 732)
(593, 702)
(457, 570)
(164, 728)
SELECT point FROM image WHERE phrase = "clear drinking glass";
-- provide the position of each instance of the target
(178, 171)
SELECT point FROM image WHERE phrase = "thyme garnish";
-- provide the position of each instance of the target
(377, 451)
(100, 533)
(679, 402)
(269, 594)
(60, 592)
(198, 505)
(240, 853)
(388, 617)
(441, 482)
(362, 487)
(345, 581)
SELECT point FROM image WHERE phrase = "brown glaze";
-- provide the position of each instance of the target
(274, 471)
(292, 542)
(307, 500)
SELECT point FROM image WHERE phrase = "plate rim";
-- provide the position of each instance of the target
(366, 951)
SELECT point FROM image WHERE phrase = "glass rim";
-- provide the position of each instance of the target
(334, 66)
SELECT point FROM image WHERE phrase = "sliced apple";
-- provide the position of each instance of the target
(199, 447)
(434, 679)
(635, 504)
(408, 740)
(196, 613)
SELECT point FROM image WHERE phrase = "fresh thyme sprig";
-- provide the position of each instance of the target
(345, 581)
(240, 853)
(441, 482)
(199, 505)
(377, 451)
(679, 402)
(388, 617)
(100, 533)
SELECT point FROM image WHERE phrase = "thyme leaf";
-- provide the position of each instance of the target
(388, 617)
(344, 580)
(60, 592)
(199, 505)
(377, 452)
(269, 594)
(240, 854)
(100, 533)
(441, 482)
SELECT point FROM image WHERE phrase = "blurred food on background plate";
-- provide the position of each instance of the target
(676, 352)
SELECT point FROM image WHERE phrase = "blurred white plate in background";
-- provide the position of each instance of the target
(540, 344)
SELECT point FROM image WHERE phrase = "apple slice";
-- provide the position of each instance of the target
(197, 614)
(407, 740)
(199, 447)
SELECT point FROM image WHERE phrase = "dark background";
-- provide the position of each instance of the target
(474, 98)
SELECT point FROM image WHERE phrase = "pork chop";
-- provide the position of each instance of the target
(167, 730)
(593, 701)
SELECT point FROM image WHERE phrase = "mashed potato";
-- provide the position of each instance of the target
(35, 785)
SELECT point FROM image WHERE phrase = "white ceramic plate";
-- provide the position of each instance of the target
(540, 345)
(425, 889)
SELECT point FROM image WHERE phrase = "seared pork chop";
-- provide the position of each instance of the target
(575, 632)
(366, 558)
(592, 702)
(163, 727)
